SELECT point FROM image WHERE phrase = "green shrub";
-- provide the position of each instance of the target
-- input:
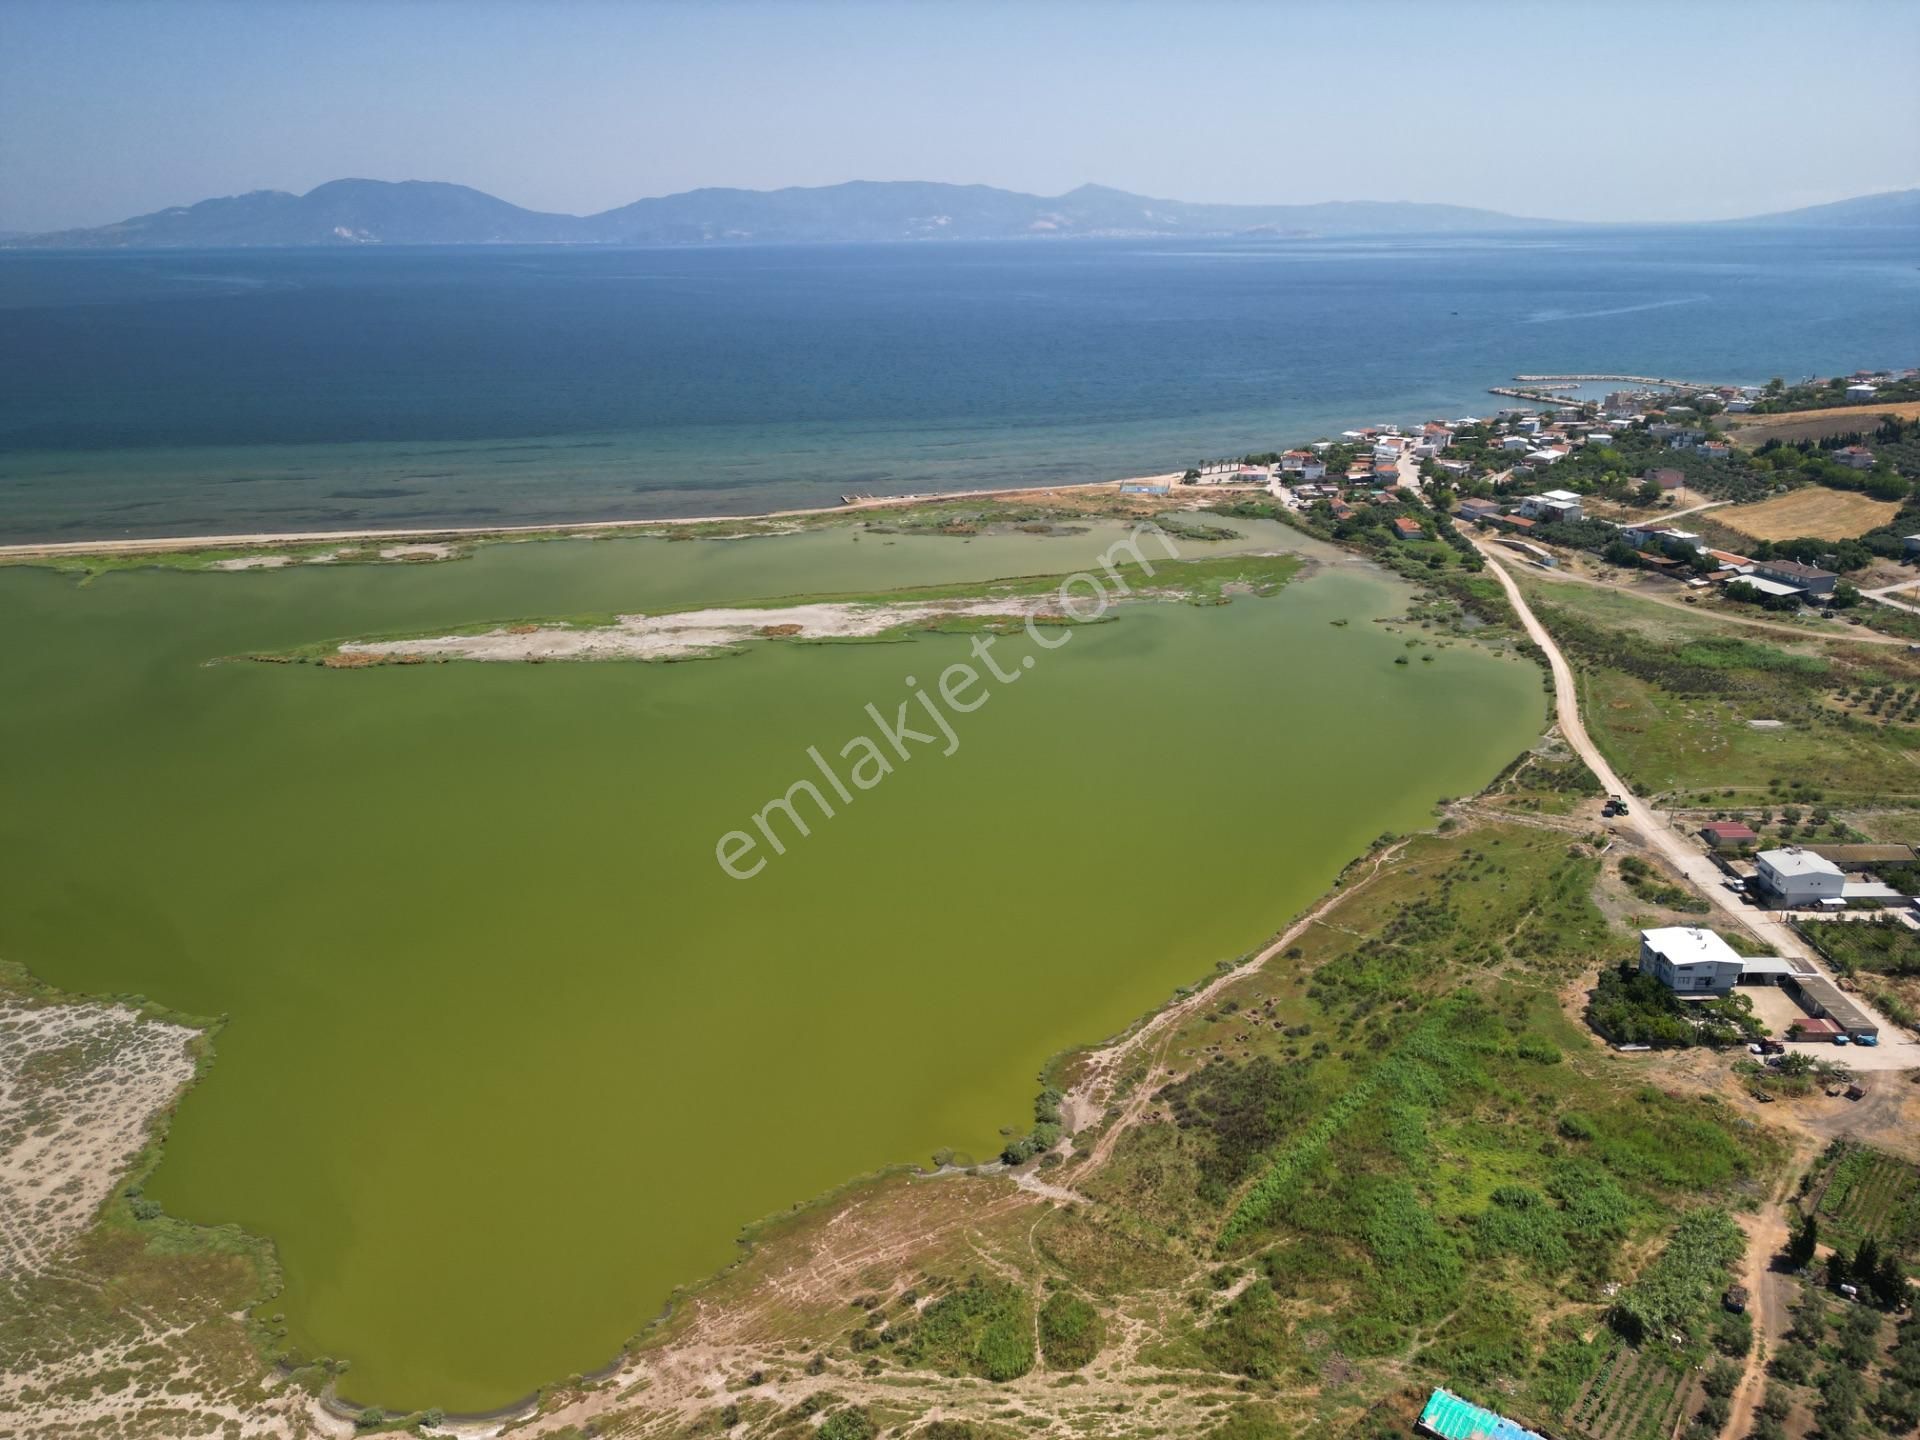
(848, 1424)
(984, 1329)
(1071, 1331)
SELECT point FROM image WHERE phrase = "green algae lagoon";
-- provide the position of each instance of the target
(506, 1055)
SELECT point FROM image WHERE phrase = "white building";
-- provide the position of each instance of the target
(1795, 879)
(1690, 961)
(1862, 391)
(1556, 507)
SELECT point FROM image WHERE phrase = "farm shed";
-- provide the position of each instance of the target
(1825, 1001)
(1816, 1027)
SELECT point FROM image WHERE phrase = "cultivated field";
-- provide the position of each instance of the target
(1813, 511)
(1754, 431)
(1868, 1192)
(1634, 1396)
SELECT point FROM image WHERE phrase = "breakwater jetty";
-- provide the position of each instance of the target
(1625, 379)
(1545, 394)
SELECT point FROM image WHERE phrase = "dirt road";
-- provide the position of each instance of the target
(1884, 595)
(1895, 1050)
(1766, 1237)
(1849, 635)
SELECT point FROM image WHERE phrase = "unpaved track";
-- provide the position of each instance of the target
(1896, 1050)
(1849, 636)
(1766, 1237)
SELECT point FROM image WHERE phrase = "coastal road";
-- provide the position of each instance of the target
(1896, 1051)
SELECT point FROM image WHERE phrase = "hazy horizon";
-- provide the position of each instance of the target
(1635, 113)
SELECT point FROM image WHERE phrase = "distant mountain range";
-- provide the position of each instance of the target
(427, 212)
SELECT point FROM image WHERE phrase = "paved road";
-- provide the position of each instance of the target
(1895, 1051)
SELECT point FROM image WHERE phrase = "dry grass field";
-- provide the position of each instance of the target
(1813, 511)
(1754, 431)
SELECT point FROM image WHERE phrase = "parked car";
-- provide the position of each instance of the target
(1866, 1039)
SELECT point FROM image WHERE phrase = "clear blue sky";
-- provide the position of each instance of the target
(110, 108)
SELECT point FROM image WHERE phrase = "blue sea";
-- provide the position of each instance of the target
(184, 393)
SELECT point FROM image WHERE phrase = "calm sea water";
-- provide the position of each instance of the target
(179, 393)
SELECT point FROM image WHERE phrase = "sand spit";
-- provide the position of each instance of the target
(691, 633)
(252, 562)
(168, 544)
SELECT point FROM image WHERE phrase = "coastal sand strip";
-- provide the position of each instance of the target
(169, 544)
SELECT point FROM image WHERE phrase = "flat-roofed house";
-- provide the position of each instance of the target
(1855, 457)
(1690, 961)
(1795, 879)
(1555, 507)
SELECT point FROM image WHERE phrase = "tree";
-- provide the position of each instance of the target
(1839, 1268)
(1803, 1243)
(1722, 1380)
(1890, 1282)
(1714, 1411)
(1866, 1260)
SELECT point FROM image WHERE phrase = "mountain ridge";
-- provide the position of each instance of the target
(350, 211)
